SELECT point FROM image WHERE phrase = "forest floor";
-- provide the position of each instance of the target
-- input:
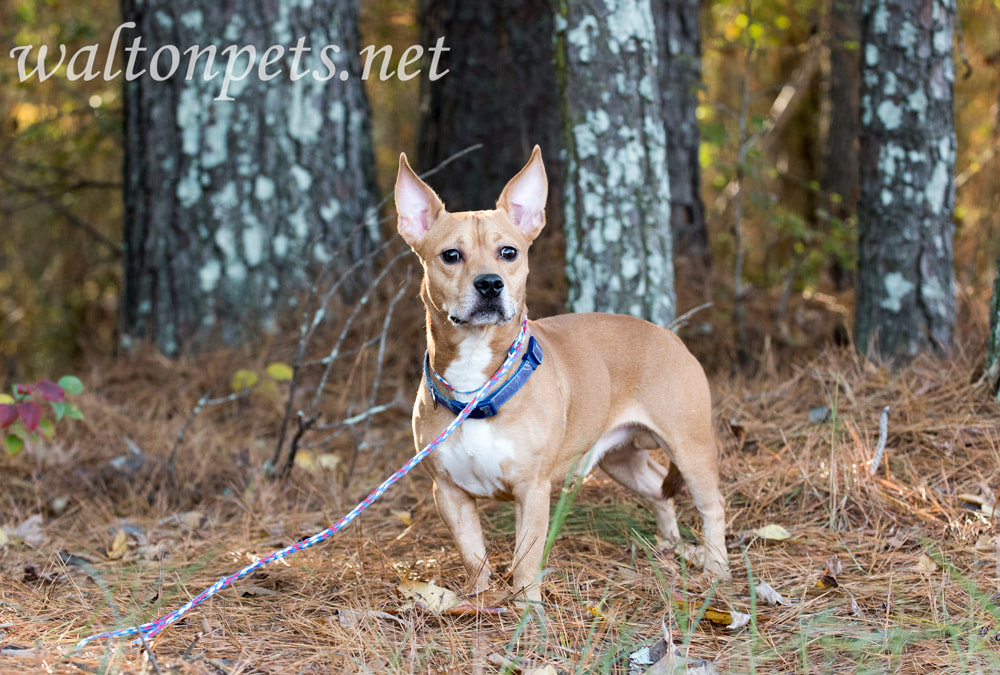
(896, 572)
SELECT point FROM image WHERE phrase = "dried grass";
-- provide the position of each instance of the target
(918, 590)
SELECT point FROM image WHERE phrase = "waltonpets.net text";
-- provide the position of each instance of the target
(241, 62)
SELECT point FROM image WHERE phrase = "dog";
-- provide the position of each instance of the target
(593, 389)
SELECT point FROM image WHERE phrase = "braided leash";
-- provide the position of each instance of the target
(149, 630)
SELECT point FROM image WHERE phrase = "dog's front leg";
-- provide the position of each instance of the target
(531, 513)
(458, 510)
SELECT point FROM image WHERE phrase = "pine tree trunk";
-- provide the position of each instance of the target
(993, 343)
(905, 296)
(231, 207)
(617, 194)
(678, 36)
(840, 156)
(501, 92)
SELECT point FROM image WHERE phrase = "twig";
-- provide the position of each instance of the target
(351, 421)
(307, 420)
(783, 108)
(149, 653)
(682, 320)
(73, 219)
(426, 174)
(203, 402)
(883, 432)
(306, 329)
(378, 371)
(362, 301)
(311, 322)
(305, 424)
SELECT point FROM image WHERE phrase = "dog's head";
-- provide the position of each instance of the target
(475, 262)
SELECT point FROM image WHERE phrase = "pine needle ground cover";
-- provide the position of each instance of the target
(892, 572)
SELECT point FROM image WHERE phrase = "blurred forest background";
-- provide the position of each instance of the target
(61, 143)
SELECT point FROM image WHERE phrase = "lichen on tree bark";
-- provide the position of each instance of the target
(617, 194)
(231, 207)
(905, 297)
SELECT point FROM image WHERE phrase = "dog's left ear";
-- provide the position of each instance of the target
(524, 197)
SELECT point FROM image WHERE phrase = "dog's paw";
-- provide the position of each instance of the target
(714, 565)
(667, 544)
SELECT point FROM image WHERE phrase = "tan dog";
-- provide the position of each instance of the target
(609, 388)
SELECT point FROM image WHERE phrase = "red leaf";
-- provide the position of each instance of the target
(8, 414)
(51, 391)
(31, 413)
(23, 389)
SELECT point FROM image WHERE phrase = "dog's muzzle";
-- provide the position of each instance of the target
(489, 305)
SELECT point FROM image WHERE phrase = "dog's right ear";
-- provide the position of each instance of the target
(416, 204)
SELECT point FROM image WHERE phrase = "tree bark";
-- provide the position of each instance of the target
(905, 296)
(678, 36)
(231, 207)
(842, 89)
(993, 342)
(618, 240)
(501, 92)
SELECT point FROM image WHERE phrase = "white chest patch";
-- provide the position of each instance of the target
(472, 458)
(468, 371)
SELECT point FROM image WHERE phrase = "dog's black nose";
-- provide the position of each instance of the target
(488, 285)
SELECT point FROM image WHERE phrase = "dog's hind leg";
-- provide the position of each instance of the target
(697, 462)
(635, 469)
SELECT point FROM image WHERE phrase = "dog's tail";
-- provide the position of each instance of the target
(672, 483)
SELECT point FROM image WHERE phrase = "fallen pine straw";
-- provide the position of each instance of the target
(91, 546)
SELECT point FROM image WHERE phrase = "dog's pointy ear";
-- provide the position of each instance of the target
(524, 197)
(416, 204)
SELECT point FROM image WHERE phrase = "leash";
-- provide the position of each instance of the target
(148, 631)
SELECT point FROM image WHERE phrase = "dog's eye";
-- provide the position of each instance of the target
(451, 256)
(508, 252)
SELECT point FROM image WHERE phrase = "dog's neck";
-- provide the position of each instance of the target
(467, 356)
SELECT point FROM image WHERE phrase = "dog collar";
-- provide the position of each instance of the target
(490, 405)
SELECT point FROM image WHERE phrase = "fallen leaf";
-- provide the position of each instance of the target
(191, 519)
(304, 460)
(429, 596)
(4, 539)
(474, 609)
(350, 618)
(119, 545)
(926, 564)
(767, 593)
(405, 516)
(738, 620)
(719, 617)
(773, 532)
(30, 531)
(328, 461)
(826, 582)
(544, 670)
(856, 608)
(985, 503)
(256, 592)
(157, 551)
(833, 566)
(819, 413)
